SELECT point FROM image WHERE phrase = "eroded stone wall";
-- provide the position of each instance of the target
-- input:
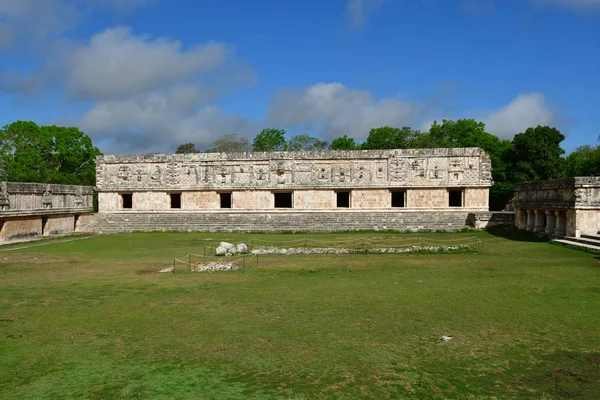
(336, 169)
(20, 227)
(59, 224)
(577, 192)
(33, 209)
(281, 221)
(562, 207)
(425, 175)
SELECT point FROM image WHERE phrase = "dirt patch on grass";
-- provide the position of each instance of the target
(146, 271)
(18, 258)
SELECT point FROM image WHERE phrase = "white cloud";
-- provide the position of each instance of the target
(358, 11)
(38, 19)
(117, 64)
(159, 122)
(336, 110)
(526, 110)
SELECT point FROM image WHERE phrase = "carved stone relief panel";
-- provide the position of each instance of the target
(281, 171)
(100, 175)
(189, 175)
(380, 171)
(323, 173)
(222, 174)
(471, 170)
(123, 175)
(437, 169)
(486, 172)
(361, 173)
(172, 174)
(156, 175)
(417, 171)
(302, 173)
(397, 169)
(342, 173)
(261, 175)
(207, 171)
(456, 170)
(242, 174)
(583, 196)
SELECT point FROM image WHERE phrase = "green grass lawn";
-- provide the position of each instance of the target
(91, 319)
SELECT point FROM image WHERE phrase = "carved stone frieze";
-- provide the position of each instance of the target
(578, 192)
(372, 168)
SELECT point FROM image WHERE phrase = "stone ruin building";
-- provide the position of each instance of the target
(400, 190)
(34, 209)
(563, 207)
(404, 189)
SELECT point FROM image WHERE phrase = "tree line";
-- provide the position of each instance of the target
(47, 154)
(66, 155)
(535, 154)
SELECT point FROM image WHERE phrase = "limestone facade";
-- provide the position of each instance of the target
(563, 207)
(402, 179)
(33, 209)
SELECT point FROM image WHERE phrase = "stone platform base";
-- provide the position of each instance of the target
(483, 219)
(31, 223)
(280, 221)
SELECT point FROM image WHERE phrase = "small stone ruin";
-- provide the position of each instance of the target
(228, 249)
(215, 266)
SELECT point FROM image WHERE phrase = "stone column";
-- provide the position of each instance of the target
(530, 220)
(521, 219)
(561, 223)
(550, 222)
(540, 216)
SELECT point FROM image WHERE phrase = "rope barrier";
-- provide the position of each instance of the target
(364, 243)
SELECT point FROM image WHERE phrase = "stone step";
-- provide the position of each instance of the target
(278, 222)
(591, 236)
(578, 244)
(586, 239)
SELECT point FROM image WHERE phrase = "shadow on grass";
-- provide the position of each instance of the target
(512, 233)
(567, 375)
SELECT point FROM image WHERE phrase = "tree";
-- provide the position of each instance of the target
(344, 143)
(270, 139)
(464, 133)
(186, 148)
(230, 143)
(387, 137)
(536, 155)
(306, 142)
(584, 161)
(47, 154)
(472, 133)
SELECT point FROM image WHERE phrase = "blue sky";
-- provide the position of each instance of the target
(147, 75)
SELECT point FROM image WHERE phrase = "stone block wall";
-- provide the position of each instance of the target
(252, 199)
(476, 198)
(281, 221)
(482, 220)
(200, 200)
(371, 198)
(20, 227)
(58, 224)
(33, 209)
(427, 198)
(562, 207)
(317, 199)
(425, 175)
(586, 221)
